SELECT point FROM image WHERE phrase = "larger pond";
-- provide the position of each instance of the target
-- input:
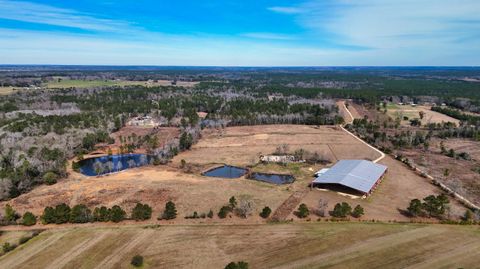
(113, 163)
(273, 178)
(226, 171)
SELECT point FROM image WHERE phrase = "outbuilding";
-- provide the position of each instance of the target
(352, 176)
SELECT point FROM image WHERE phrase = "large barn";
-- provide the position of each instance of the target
(357, 176)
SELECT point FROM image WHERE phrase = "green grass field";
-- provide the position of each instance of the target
(308, 245)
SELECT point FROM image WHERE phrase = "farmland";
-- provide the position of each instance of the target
(69, 83)
(248, 119)
(408, 112)
(241, 146)
(316, 245)
(6, 90)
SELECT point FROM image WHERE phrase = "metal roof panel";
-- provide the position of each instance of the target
(360, 175)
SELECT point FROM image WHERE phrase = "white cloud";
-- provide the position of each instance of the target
(411, 32)
(393, 24)
(286, 10)
(30, 47)
(268, 36)
(45, 14)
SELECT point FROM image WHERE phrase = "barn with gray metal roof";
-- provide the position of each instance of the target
(358, 175)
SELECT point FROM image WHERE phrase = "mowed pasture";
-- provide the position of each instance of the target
(294, 245)
(6, 90)
(70, 83)
(244, 145)
(412, 112)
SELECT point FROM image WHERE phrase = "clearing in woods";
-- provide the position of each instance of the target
(68, 83)
(294, 245)
(412, 112)
(6, 90)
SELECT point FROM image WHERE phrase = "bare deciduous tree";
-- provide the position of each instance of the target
(322, 207)
(245, 206)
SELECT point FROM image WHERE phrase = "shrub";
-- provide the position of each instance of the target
(232, 202)
(141, 212)
(302, 211)
(62, 213)
(137, 261)
(435, 206)
(224, 210)
(266, 211)
(210, 214)
(358, 211)
(239, 265)
(76, 166)
(341, 210)
(415, 208)
(101, 214)
(170, 211)
(24, 239)
(48, 215)
(50, 178)
(10, 213)
(7, 247)
(29, 219)
(117, 214)
(468, 216)
(80, 214)
(432, 206)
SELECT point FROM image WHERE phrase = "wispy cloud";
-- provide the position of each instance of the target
(391, 24)
(45, 14)
(286, 10)
(269, 36)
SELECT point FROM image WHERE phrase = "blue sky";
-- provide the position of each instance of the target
(241, 33)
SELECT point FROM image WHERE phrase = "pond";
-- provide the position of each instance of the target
(113, 163)
(273, 178)
(226, 171)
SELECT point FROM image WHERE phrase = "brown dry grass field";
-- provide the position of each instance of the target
(6, 90)
(68, 83)
(294, 245)
(400, 111)
(242, 146)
